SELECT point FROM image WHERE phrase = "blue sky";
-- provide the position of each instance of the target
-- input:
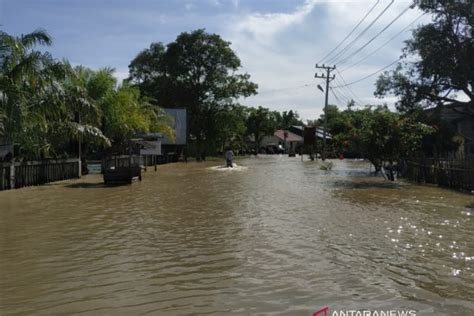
(278, 41)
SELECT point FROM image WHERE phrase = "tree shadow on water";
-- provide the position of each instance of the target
(366, 185)
(92, 185)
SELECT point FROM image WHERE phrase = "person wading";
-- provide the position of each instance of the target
(229, 157)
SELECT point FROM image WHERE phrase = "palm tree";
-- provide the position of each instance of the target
(40, 98)
(20, 69)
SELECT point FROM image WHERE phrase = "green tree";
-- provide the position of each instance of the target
(287, 119)
(260, 122)
(123, 112)
(20, 74)
(197, 71)
(443, 68)
(231, 128)
(47, 106)
(37, 97)
(378, 134)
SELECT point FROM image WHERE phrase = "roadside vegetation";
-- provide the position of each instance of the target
(47, 106)
(435, 71)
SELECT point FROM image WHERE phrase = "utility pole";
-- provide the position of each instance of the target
(328, 78)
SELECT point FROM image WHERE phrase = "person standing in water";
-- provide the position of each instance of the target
(229, 157)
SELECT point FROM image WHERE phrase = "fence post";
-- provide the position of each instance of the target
(12, 175)
(80, 168)
(2, 176)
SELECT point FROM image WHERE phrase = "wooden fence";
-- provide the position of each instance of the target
(452, 173)
(5, 179)
(154, 160)
(29, 173)
(150, 160)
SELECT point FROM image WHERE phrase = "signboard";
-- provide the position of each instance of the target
(309, 136)
(179, 126)
(151, 147)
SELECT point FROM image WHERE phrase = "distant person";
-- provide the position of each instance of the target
(229, 158)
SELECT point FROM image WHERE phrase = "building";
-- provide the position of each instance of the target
(281, 140)
(459, 121)
(299, 130)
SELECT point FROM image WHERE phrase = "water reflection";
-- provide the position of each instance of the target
(278, 236)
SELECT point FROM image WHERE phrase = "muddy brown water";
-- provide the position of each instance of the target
(274, 236)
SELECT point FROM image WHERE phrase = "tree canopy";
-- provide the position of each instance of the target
(442, 72)
(46, 104)
(376, 133)
(286, 119)
(260, 122)
(38, 99)
(198, 71)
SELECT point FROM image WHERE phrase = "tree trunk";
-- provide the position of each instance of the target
(257, 143)
(377, 164)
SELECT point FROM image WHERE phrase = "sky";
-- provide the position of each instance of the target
(279, 42)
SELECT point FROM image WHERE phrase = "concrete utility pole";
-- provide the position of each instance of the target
(328, 78)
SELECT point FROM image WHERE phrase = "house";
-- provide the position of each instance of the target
(284, 139)
(461, 122)
(299, 130)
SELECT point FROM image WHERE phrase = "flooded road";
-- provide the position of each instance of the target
(275, 236)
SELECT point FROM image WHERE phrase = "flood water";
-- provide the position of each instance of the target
(274, 236)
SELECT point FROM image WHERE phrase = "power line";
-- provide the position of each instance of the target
(288, 88)
(342, 95)
(376, 35)
(368, 76)
(358, 100)
(335, 95)
(361, 33)
(384, 44)
(350, 33)
(345, 93)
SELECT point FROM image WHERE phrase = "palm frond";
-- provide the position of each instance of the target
(37, 37)
(3, 118)
(78, 131)
(28, 66)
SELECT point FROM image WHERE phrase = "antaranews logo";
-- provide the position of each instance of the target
(393, 312)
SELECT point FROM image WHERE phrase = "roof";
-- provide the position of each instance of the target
(150, 136)
(451, 112)
(319, 131)
(290, 137)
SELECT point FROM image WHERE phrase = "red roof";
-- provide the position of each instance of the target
(290, 137)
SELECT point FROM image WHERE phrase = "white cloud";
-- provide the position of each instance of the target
(215, 3)
(280, 50)
(189, 5)
(263, 26)
(278, 42)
